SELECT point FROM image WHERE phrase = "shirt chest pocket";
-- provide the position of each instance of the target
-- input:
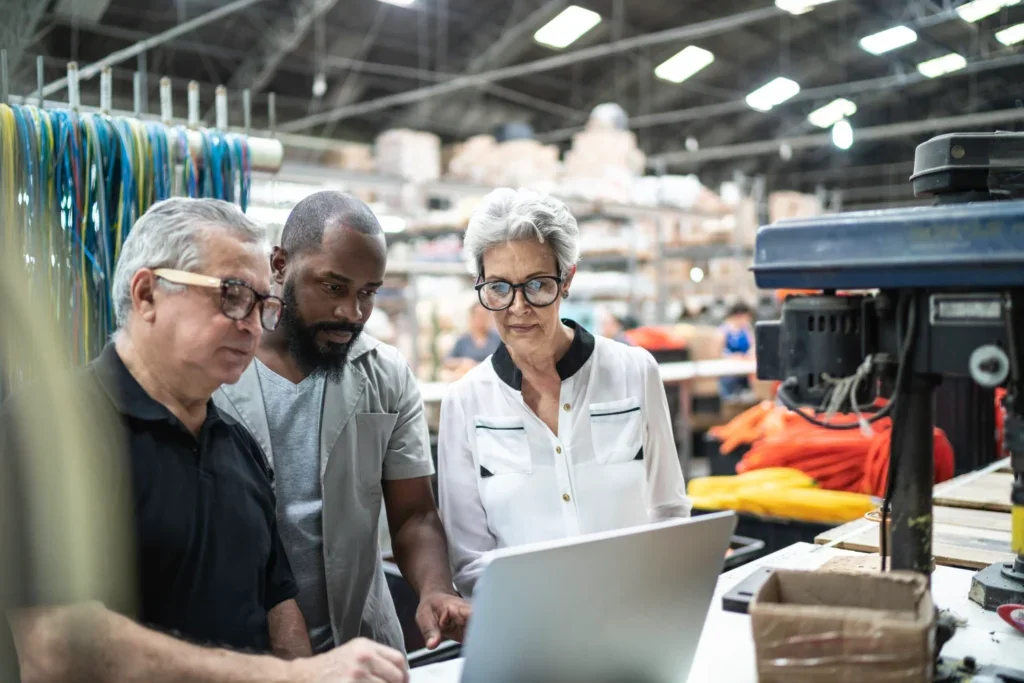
(502, 447)
(616, 431)
(373, 434)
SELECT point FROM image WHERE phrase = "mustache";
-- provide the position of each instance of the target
(354, 328)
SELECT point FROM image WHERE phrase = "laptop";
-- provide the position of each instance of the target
(619, 607)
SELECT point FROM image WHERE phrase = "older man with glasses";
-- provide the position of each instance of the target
(191, 296)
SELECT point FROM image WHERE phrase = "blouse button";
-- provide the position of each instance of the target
(565, 497)
(558, 449)
(566, 407)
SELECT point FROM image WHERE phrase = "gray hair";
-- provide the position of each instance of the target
(171, 235)
(508, 215)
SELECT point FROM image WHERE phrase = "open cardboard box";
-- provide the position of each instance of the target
(813, 626)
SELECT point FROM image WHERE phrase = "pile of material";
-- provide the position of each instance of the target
(603, 163)
(512, 163)
(778, 492)
(841, 460)
(411, 154)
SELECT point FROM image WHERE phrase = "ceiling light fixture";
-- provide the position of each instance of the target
(567, 27)
(771, 94)
(834, 111)
(1011, 36)
(888, 40)
(400, 3)
(940, 66)
(842, 134)
(800, 6)
(684, 64)
(979, 9)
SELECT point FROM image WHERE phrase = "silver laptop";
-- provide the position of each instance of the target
(619, 607)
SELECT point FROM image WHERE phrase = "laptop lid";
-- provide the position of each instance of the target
(626, 606)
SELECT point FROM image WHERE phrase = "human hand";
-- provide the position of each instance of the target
(442, 615)
(357, 661)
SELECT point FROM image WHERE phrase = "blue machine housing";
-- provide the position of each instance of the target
(977, 245)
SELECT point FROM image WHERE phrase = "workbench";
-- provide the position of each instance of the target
(726, 649)
(971, 521)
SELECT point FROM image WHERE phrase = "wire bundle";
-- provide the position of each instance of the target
(72, 186)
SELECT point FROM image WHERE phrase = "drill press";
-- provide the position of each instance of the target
(909, 296)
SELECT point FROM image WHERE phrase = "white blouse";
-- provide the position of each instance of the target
(504, 479)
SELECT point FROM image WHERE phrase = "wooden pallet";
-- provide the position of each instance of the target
(988, 492)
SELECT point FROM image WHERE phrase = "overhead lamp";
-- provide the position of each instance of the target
(888, 40)
(319, 85)
(696, 274)
(684, 64)
(842, 134)
(1012, 35)
(400, 3)
(979, 9)
(940, 66)
(771, 94)
(834, 111)
(800, 6)
(567, 27)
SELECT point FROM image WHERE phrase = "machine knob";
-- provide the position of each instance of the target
(989, 366)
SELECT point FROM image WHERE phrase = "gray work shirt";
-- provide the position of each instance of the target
(372, 428)
(293, 420)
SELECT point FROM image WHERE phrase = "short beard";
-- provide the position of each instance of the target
(312, 358)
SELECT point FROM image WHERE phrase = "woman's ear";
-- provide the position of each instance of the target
(567, 281)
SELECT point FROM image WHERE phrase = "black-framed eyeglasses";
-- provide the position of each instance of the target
(237, 298)
(539, 292)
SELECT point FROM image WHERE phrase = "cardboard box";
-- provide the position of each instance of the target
(844, 628)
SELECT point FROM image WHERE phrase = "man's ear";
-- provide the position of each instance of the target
(278, 264)
(143, 291)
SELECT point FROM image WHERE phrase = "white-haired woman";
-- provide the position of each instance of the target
(560, 433)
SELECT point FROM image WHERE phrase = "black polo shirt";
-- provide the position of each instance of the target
(209, 558)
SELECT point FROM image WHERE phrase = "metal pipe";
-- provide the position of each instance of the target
(825, 92)
(143, 71)
(246, 111)
(690, 32)
(106, 91)
(74, 96)
(166, 105)
(40, 80)
(891, 130)
(193, 105)
(149, 43)
(137, 93)
(5, 93)
(221, 103)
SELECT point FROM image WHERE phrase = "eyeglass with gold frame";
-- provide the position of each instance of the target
(237, 297)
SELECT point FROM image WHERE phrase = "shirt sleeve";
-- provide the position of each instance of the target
(408, 454)
(666, 490)
(470, 542)
(280, 582)
(459, 349)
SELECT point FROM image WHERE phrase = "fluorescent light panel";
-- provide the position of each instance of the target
(888, 40)
(800, 6)
(1012, 35)
(834, 111)
(567, 27)
(684, 64)
(400, 3)
(771, 94)
(979, 9)
(940, 66)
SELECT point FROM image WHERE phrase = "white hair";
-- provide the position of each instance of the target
(171, 234)
(508, 215)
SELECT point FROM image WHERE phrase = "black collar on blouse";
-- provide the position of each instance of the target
(578, 354)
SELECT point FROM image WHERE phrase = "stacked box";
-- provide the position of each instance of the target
(782, 205)
(603, 164)
(350, 156)
(513, 163)
(413, 155)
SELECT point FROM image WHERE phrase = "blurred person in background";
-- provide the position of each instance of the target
(191, 299)
(340, 417)
(561, 433)
(473, 347)
(614, 327)
(736, 337)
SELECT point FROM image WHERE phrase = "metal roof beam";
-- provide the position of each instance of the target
(19, 20)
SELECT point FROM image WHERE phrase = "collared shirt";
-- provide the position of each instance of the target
(505, 479)
(210, 562)
(372, 428)
(466, 347)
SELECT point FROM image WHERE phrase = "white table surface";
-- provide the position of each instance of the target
(726, 649)
(671, 373)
